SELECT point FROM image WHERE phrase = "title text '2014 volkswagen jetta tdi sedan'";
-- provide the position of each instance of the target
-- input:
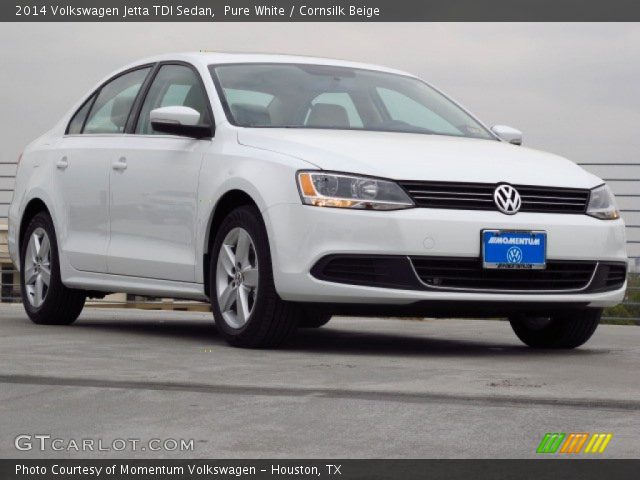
(285, 190)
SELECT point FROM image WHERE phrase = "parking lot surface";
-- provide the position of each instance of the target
(357, 388)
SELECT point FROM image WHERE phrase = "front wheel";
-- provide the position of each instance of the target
(313, 318)
(46, 299)
(246, 306)
(560, 331)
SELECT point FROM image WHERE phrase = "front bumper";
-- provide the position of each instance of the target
(301, 235)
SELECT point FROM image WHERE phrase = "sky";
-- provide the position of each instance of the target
(572, 88)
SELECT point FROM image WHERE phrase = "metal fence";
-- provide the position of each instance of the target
(624, 179)
(7, 174)
(8, 288)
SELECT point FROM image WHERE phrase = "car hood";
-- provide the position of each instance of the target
(408, 156)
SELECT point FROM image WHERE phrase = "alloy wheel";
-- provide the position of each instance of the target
(237, 277)
(37, 267)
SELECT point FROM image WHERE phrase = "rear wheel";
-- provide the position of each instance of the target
(561, 331)
(45, 298)
(246, 306)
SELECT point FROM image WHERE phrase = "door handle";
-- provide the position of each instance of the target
(120, 165)
(62, 164)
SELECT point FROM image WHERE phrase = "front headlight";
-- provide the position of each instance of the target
(340, 190)
(602, 204)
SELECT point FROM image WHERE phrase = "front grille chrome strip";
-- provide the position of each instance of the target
(498, 290)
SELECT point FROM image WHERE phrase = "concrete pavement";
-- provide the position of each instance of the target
(355, 388)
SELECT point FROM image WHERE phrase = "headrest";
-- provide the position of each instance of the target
(251, 115)
(328, 115)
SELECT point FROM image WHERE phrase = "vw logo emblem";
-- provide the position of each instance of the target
(507, 199)
(514, 255)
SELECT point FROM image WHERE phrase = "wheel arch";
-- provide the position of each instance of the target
(33, 207)
(230, 200)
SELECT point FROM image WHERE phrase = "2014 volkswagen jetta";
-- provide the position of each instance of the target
(287, 189)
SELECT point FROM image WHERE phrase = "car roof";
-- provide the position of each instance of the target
(205, 58)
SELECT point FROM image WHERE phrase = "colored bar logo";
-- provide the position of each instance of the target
(574, 442)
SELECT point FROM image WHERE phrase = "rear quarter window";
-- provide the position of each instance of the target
(77, 121)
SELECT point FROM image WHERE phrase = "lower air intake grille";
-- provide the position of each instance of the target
(616, 275)
(354, 269)
(369, 270)
(465, 273)
(468, 274)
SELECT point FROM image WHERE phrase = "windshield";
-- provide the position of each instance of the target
(281, 95)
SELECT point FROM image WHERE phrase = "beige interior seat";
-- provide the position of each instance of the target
(328, 115)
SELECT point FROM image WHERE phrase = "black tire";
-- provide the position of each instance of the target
(312, 318)
(272, 320)
(561, 331)
(62, 305)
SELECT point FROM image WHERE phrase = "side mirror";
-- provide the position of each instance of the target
(182, 121)
(508, 134)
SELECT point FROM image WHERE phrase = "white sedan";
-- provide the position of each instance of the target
(289, 189)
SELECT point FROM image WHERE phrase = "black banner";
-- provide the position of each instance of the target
(319, 11)
(311, 469)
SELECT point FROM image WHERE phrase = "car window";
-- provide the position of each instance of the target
(111, 109)
(277, 95)
(175, 95)
(250, 97)
(250, 107)
(76, 123)
(174, 85)
(403, 109)
(340, 103)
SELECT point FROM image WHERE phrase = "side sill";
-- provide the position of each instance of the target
(136, 285)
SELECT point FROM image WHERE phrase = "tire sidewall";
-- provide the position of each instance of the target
(564, 331)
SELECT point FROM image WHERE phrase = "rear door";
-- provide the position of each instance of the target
(154, 189)
(82, 161)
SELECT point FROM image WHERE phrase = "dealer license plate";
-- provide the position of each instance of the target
(514, 249)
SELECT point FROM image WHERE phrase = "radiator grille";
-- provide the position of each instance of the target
(479, 196)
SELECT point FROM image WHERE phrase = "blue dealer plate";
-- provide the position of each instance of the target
(514, 250)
